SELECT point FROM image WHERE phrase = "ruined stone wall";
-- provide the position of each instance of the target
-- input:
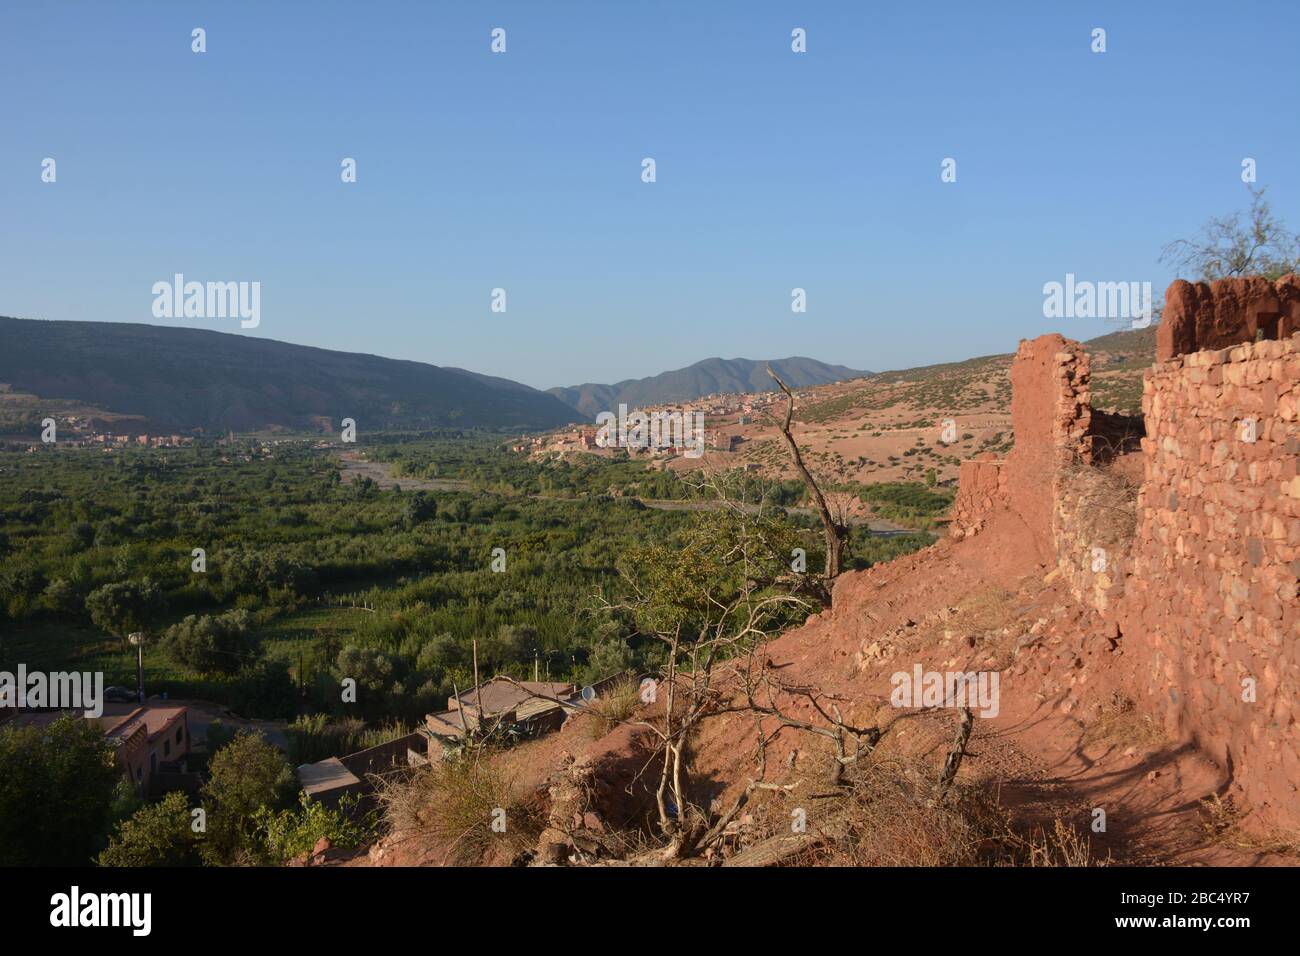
(1215, 315)
(1093, 534)
(1051, 411)
(1050, 416)
(1193, 559)
(1209, 614)
(981, 491)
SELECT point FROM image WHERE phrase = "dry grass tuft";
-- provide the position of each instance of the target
(1225, 824)
(1120, 723)
(895, 816)
(1061, 846)
(456, 801)
(616, 704)
(1105, 504)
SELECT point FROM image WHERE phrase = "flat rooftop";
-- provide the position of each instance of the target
(501, 696)
(327, 775)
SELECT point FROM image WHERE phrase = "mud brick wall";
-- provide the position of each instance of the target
(1051, 412)
(981, 488)
(1211, 600)
(1216, 315)
(1051, 417)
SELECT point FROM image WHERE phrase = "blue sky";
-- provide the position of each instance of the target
(523, 171)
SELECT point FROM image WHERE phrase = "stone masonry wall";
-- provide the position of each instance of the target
(1050, 416)
(1093, 531)
(1216, 315)
(1196, 575)
(1209, 613)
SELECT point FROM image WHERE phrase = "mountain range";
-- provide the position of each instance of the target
(178, 379)
(711, 376)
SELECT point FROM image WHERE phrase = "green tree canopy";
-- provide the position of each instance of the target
(56, 787)
(158, 834)
(245, 776)
(125, 606)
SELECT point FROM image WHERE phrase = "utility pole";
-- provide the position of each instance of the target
(137, 638)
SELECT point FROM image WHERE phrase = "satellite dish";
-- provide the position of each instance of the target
(589, 693)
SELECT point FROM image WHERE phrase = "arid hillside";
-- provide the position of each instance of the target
(1104, 737)
(898, 426)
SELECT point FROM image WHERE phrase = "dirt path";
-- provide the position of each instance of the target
(202, 713)
(381, 474)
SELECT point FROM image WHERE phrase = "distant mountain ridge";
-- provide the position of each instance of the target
(708, 377)
(178, 379)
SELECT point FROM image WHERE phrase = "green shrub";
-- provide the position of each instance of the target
(158, 834)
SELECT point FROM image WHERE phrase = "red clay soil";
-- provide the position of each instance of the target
(1054, 657)
(1052, 682)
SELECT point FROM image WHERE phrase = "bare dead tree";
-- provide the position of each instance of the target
(763, 692)
(1228, 247)
(836, 531)
(715, 597)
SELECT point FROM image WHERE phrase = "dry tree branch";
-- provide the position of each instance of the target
(836, 532)
(953, 762)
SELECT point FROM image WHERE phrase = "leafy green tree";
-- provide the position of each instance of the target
(81, 535)
(158, 834)
(245, 776)
(211, 643)
(511, 644)
(440, 653)
(370, 667)
(420, 507)
(362, 488)
(608, 658)
(56, 787)
(20, 588)
(61, 597)
(125, 606)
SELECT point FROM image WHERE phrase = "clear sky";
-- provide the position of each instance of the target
(522, 170)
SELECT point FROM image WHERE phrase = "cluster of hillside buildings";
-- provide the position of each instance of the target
(147, 441)
(584, 440)
(521, 708)
(729, 411)
(150, 741)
